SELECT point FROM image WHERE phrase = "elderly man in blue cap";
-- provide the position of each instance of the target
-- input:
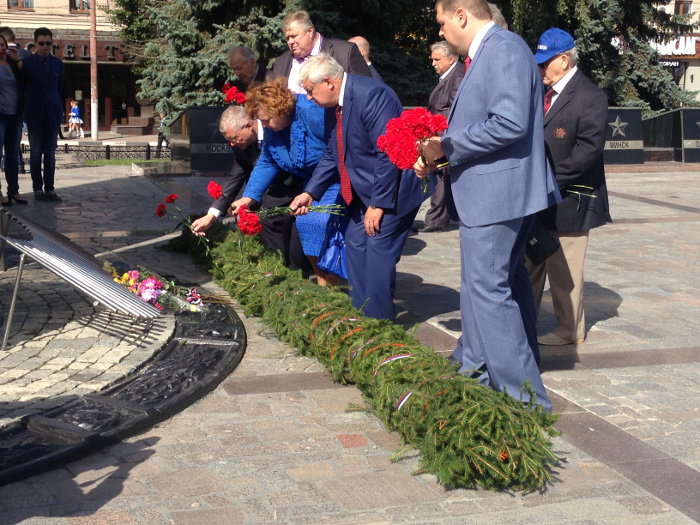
(575, 119)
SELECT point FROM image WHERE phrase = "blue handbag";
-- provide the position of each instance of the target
(332, 259)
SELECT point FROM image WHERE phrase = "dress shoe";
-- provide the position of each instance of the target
(551, 339)
(429, 229)
(5, 202)
(16, 198)
(454, 362)
(53, 196)
(22, 171)
(39, 195)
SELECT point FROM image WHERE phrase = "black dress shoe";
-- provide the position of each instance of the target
(429, 229)
(454, 361)
(53, 196)
(39, 195)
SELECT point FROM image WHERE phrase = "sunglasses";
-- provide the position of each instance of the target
(44, 43)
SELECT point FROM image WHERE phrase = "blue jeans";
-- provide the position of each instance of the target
(43, 140)
(10, 126)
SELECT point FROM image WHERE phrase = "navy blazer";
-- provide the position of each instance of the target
(43, 100)
(346, 53)
(574, 132)
(367, 108)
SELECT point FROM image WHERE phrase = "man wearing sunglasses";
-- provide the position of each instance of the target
(43, 114)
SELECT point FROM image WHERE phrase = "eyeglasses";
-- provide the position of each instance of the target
(44, 43)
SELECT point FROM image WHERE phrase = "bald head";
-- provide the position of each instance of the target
(363, 45)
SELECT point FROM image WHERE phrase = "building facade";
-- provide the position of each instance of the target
(682, 56)
(69, 21)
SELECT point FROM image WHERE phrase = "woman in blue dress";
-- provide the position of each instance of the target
(295, 137)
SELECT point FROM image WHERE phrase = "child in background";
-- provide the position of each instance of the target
(75, 123)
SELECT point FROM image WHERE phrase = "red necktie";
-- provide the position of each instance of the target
(467, 61)
(345, 186)
(548, 99)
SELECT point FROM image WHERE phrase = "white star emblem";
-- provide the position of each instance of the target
(618, 127)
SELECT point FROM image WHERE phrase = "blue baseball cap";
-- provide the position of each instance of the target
(553, 42)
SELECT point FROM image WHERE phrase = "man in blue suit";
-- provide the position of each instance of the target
(499, 177)
(43, 113)
(382, 200)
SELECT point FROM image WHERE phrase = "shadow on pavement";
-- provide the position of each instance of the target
(79, 490)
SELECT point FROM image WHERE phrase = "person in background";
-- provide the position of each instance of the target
(247, 68)
(75, 123)
(13, 76)
(304, 42)
(43, 113)
(9, 35)
(575, 121)
(363, 45)
(163, 130)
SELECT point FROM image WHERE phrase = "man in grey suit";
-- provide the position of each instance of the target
(451, 70)
(304, 42)
(499, 177)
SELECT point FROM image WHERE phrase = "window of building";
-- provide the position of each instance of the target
(683, 7)
(80, 5)
(27, 4)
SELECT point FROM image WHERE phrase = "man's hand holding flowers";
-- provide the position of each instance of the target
(429, 150)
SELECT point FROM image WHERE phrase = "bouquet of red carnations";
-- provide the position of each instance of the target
(403, 134)
(232, 94)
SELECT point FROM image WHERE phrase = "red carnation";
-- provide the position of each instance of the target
(248, 222)
(171, 198)
(214, 190)
(400, 142)
(239, 98)
(233, 95)
(160, 210)
(226, 87)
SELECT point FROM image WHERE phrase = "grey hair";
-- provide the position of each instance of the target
(233, 117)
(319, 67)
(244, 52)
(301, 18)
(445, 48)
(573, 56)
(497, 16)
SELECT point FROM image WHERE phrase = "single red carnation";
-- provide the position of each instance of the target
(226, 87)
(214, 190)
(171, 198)
(239, 98)
(248, 222)
(160, 210)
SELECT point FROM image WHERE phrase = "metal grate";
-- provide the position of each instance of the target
(67, 260)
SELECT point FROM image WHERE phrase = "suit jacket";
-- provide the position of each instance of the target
(43, 100)
(574, 132)
(346, 53)
(261, 75)
(495, 143)
(441, 98)
(375, 73)
(243, 164)
(367, 107)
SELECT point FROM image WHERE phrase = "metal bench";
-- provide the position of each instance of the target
(59, 255)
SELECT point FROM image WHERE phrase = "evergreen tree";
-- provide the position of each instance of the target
(613, 38)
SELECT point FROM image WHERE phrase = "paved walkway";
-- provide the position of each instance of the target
(274, 444)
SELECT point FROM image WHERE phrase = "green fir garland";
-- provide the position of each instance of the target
(466, 434)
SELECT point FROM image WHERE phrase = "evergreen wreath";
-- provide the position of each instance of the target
(466, 434)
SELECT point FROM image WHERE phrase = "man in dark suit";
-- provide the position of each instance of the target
(363, 45)
(43, 114)
(382, 201)
(247, 68)
(451, 70)
(499, 177)
(574, 132)
(244, 136)
(304, 42)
